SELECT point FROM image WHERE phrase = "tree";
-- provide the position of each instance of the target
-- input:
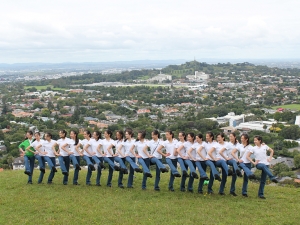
(290, 132)
(279, 168)
(297, 161)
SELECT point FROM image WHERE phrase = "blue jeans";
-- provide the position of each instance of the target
(88, 161)
(98, 160)
(213, 172)
(145, 163)
(64, 162)
(121, 162)
(201, 181)
(110, 161)
(131, 161)
(41, 165)
(223, 165)
(264, 173)
(76, 171)
(51, 163)
(74, 160)
(173, 165)
(159, 166)
(182, 165)
(29, 165)
(234, 164)
(202, 172)
(191, 165)
(247, 172)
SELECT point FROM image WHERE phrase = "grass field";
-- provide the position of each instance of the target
(59, 204)
(291, 106)
(44, 87)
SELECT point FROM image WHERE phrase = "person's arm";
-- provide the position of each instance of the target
(189, 152)
(64, 148)
(54, 150)
(133, 152)
(271, 154)
(233, 153)
(38, 150)
(160, 152)
(99, 150)
(210, 153)
(109, 149)
(199, 152)
(85, 148)
(249, 158)
(145, 150)
(221, 153)
(29, 149)
(119, 151)
(77, 149)
(21, 148)
(178, 151)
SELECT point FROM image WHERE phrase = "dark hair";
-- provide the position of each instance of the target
(64, 132)
(76, 136)
(109, 133)
(88, 133)
(222, 135)
(200, 136)
(48, 134)
(170, 132)
(155, 132)
(30, 132)
(183, 134)
(259, 138)
(234, 135)
(246, 136)
(38, 133)
(192, 135)
(211, 135)
(120, 133)
(98, 134)
(143, 133)
(129, 131)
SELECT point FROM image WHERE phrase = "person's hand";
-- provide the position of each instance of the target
(168, 154)
(70, 153)
(241, 161)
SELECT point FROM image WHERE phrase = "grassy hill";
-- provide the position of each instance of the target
(290, 106)
(58, 204)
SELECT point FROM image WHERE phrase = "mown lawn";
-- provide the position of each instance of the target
(44, 87)
(59, 204)
(291, 106)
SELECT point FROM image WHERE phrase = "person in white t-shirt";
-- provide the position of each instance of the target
(262, 162)
(63, 157)
(243, 162)
(108, 155)
(72, 144)
(38, 154)
(155, 157)
(130, 156)
(171, 156)
(142, 156)
(197, 154)
(49, 155)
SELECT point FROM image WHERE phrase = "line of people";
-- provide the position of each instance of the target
(190, 151)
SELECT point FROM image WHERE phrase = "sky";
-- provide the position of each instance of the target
(123, 30)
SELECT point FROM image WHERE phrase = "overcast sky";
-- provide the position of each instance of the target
(123, 30)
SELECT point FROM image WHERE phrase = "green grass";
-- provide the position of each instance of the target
(291, 106)
(44, 87)
(59, 204)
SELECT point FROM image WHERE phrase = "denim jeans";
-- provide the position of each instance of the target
(88, 161)
(173, 165)
(247, 169)
(41, 165)
(202, 172)
(74, 160)
(51, 163)
(145, 163)
(182, 165)
(121, 162)
(191, 165)
(234, 164)
(213, 172)
(159, 165)
(201, 181)
(64, 162)
(264, 173)
(76, 171)
(110, 161)
(29, 165)
(98, 160)
(223, 165)
(131, 161)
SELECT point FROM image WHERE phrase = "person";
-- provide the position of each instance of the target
(155, 157)
(49, 155)
(108, 155)
(184, 161)
(214, 174)
(262, 162)
(171, 156)
(130, 156)
(28, 155)
(220, 158)
(243, 162)
(198, 157)
(63, 155)
(72, 143)
(87, 155)
(143, 158)
(38, 154)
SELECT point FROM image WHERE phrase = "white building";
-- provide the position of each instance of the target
(199, 76)
(234, 120)
(255, 125)
(297, 122)
(160, 78)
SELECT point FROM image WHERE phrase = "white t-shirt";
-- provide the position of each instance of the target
(219, 147)
(260, 154)
(230, 147)
(61, 142)
(153, 145)
(48, 147)
(95, 144)
(105, 144)
(72, 146)
(195, 148)
(85, 142)
(140, 147)
(208, 147)
(37, 143)
(244, 152)
(127, 146)
(170, 148)
(119, 144)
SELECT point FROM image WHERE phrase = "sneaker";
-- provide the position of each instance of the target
(98, 185)
(92, 168)
(78, 167)
(27, 173)
(233, 194)
(121, 186)
(245, 195)
(217, 177)
(177, 175)
(29, 182)
(200, 192)
(230, 172)
(171, 189)
(164, 170)
(117, 168)
(138, 170)
(102, 165)
(125, 171)
(238, 172)
(221, 193)
(204, 178)
(195, 175)
(65, 173)
(262, 197)
(185, 174)
(148, 175)
(42, 170)
(252, 177)
(274, 180)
